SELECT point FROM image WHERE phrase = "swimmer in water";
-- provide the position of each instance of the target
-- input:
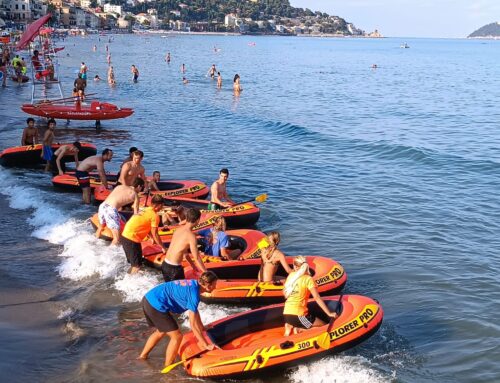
(219, 80)
(135, 73)
(167, 58)
(183, 68)
(97, 78)
(212, 71)
(236, 85)
(185, 80)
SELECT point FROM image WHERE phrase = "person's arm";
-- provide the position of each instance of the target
(142, 174)
(157, 239)
(198, 328)
(23, 138)
(283, 262)
(153, 186)
(227, 198)
(193, 248)
(321, 303)
(77, 161)
(136, 204)
(102, 174)
(58, 160)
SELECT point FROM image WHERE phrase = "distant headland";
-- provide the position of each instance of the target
(490, 31)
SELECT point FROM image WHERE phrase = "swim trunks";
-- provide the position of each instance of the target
(300, 321)
(133, 251)
(83, 179)
(172, 272)
(47, 152)
(108, 215)
(162, 321)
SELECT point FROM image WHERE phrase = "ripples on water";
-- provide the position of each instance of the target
(393, 172)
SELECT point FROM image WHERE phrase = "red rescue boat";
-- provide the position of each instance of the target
(253, 342)
(95, 111)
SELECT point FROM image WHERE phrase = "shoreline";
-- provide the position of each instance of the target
(167, 32)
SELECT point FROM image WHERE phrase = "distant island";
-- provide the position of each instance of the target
(490, 31)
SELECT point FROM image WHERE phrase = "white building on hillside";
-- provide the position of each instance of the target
(110, 8)
(230, 20)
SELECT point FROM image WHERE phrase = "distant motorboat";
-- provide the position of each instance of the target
(404, 45)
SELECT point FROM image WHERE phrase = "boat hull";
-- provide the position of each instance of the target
(252, 342)
(72, 112)
(29, 156)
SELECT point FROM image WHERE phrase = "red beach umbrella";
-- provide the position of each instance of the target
(32, 31)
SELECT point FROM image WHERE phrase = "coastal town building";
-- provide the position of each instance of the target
(110, 8)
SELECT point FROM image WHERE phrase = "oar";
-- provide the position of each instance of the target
(259, 198)
(170, 367)
(324, 339)
(47, 101)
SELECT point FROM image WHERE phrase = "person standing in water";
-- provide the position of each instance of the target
(86, 166)
(176, 297)
(167, 58)
(236, 85)
(135, 73)
(48, 139)
(111, 76)
(219, 81)
(183, 68)
(212, 71)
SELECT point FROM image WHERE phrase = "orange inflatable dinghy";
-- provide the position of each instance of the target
(238, 281)
(252, 342)
(244, 240)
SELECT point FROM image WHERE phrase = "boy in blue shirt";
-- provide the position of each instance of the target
(175, 297)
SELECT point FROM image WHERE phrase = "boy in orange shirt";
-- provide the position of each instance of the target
(138, 227)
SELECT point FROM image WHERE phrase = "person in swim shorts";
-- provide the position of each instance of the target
(298, 287)
(48, 139)
(30, 133)
(176, 297)
(108, 210)
(89, 164)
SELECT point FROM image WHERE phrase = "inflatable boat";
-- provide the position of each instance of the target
(238, 280)
(235, 218)
(68, 181)
(168, 189)
(252, 342)
(244, 240)
(97, 111)
(29, 156)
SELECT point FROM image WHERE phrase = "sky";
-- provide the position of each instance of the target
(411, 18)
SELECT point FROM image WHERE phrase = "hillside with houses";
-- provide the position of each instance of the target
(243, 16)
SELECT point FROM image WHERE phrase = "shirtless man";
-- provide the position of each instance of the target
(62, 151)
(152, 184)
(132, 169)
(89, 164)
(212, 71)
(127, 159)
(218, 193)
(183, 244)
(48, 139)
(108, 210)
(30, 133)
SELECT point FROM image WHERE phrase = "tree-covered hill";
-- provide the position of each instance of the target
(490, 30)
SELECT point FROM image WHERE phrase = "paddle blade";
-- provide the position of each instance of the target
(261, 198)
(170, 367)
(324, 340)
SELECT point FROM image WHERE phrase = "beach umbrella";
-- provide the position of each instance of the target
(32, 31)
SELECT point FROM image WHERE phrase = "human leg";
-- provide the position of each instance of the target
(173, 346)
(152, 341)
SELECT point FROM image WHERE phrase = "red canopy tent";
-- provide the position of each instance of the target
(32, 31)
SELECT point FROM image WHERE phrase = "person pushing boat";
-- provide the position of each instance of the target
(137, 228)
(64, 150)
(108, 210)
(183, 244)
(218, 193)
(30, 133)
(132, 169)
(176, 297)
(298, 287)
(89, 164)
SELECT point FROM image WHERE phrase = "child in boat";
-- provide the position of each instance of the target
(298, 287)
(271, 257)
(217, 241)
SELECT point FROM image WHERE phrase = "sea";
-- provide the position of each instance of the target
(394, 172)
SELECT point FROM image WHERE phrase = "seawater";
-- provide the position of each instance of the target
(393, 171)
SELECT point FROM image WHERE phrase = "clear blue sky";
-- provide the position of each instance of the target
(411, 18)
